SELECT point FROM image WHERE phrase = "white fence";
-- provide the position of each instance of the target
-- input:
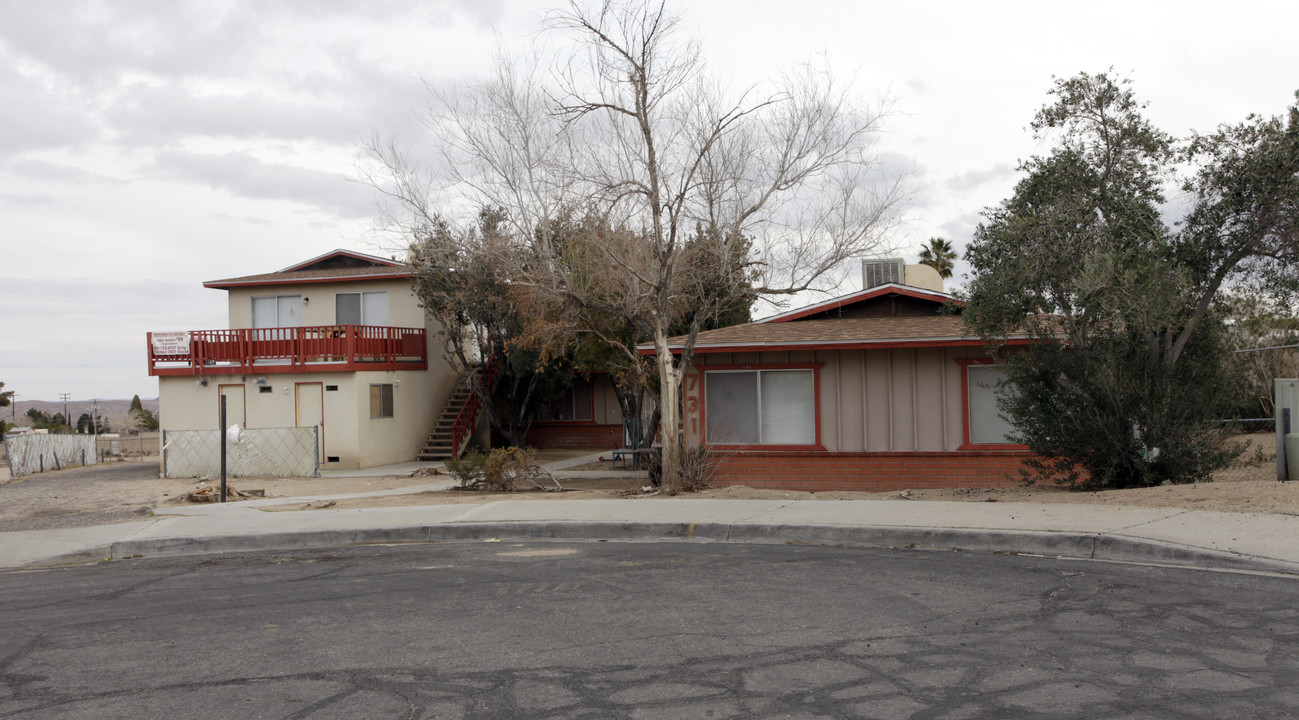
(29, 454)
(260, 452)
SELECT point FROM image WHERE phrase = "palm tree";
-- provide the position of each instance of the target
(939, 255)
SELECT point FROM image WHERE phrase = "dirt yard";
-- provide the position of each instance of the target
(122, 492)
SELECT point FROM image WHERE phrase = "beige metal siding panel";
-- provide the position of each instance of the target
(930, 399)
(850, 376)
(878, 411)
(903, 389)
(830, 400)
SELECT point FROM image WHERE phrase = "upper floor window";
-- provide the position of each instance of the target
(361, 308)
(277, 311)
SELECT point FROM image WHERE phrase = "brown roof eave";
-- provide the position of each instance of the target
(255, 281)
(882, 344)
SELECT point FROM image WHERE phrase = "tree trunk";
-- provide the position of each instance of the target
(669, 409)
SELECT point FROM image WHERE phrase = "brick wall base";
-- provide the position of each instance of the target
(873, 472)
(573, 436)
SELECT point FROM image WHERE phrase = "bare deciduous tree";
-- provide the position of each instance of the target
(708, 195)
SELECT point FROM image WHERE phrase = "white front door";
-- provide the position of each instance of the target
(311, 411)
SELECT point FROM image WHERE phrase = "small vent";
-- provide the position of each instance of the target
(331, 388)
(881, 272)
(332, 458)
(264, 389)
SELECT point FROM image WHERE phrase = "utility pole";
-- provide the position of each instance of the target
(64, 397)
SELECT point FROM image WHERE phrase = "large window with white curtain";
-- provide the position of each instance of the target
(760, 407)
(984, 384)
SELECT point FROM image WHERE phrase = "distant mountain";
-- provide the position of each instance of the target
(115, 412)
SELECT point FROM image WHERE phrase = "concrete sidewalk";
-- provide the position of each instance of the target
(1163, 535)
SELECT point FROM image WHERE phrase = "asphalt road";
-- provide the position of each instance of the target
(644, 630)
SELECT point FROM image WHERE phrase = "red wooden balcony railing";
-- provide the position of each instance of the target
(321, 348)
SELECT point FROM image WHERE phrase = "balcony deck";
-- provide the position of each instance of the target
(321, 348)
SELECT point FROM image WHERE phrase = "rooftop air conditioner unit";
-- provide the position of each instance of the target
(882, 272)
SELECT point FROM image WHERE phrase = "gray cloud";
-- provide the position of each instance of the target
(158, 115)
(244, 175)
(16, 200)
(44, 170)
(38, 116)
(974, 178)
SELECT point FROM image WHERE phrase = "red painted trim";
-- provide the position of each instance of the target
(815, 367)
(984, 450)
(243, 396)
(849, 345)
(861, 296)
(221, 285)
(344, 253)
(763, 366)
(965, 364)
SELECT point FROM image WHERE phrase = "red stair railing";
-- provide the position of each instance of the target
(464, 424)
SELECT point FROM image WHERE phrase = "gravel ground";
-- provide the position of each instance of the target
(123, 492)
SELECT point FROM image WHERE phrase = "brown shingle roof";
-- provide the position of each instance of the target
(284, 278)
(838, 332)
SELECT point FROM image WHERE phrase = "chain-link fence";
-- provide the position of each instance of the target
(27, 454)
(1249, 426)
(259, 452)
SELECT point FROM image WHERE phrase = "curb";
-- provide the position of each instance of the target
(1073, 545)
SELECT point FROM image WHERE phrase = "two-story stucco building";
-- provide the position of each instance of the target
(338, 341)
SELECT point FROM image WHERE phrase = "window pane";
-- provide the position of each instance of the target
(788, 407)
(264, 312)
(731, 404)
(347, 309)
(986, 424)
(380, 401)
(289, 311)
(374, 309)
(581, 400)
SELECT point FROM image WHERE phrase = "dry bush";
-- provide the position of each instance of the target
(511, 468)
(468, 469)
(695, 468)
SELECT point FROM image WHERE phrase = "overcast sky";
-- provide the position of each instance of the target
(146, 147)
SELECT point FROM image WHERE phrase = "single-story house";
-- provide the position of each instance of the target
(880, 389)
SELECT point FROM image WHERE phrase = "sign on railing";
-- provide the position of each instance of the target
(170, 343)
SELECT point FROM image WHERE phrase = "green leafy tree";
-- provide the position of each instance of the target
(6, 399)
(140, 417)
(1256, 322)
(939, 255)
(463, 282)
(1125, 312)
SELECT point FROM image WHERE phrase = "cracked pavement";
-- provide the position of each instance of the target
(644, 630)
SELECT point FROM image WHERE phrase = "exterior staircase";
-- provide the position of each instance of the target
(455, 425)
(438, 445)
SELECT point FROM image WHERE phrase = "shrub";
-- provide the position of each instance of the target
(468, 469)
(507, 468)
